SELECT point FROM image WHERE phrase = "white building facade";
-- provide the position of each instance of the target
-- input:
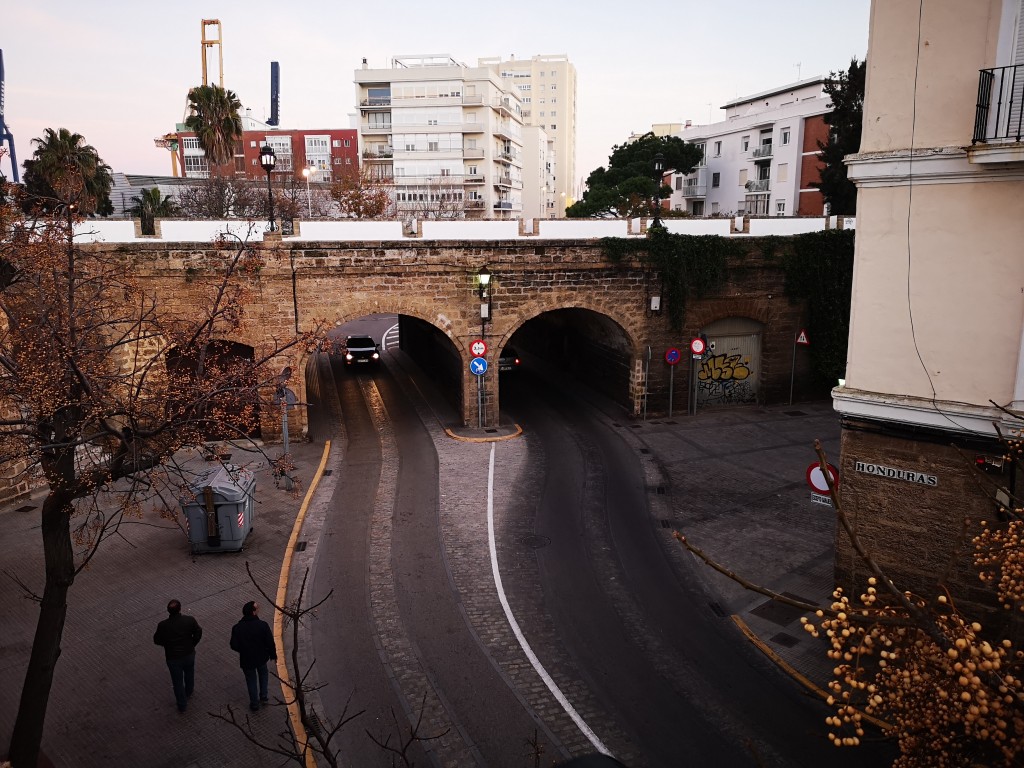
(760, 160)
(547, 87)
(450, 137)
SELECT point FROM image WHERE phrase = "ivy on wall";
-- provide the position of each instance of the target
(689, 265)
(819, 271)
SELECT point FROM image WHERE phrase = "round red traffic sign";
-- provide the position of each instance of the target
(697, 346)
(816, 478)
(672, 355)
(478, 347)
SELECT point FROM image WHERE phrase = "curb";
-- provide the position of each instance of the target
(282, 593)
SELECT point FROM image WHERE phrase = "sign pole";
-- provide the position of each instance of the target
(671, 386)
(792, 373)
(480, 402)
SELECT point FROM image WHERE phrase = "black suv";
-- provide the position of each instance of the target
(361, 350)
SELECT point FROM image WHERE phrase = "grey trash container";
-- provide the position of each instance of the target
(218, 514)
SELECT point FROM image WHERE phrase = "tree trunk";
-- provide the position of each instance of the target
(60, 574)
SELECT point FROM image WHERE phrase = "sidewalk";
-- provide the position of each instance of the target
(111, 702)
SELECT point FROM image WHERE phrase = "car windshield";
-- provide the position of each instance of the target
(360, 341)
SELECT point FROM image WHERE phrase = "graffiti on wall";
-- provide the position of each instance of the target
(726, 379)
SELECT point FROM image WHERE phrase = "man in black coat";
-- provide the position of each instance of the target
(179, 635)
(254, 641)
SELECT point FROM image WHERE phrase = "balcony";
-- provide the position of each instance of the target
(763, 152)
(503, 205)
(472, 100)
(376, 129)
(474, 204)
(375, 103)
(503, 181)
(694, 190)
(473, 178)
(999, 116)
(383, 153)
(758, 186)
(473, 153)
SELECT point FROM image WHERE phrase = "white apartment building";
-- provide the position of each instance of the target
(448, 135)
(761, 159)
(538, 181)
(547, 87)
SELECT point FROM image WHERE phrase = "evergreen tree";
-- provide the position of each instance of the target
(846, 90)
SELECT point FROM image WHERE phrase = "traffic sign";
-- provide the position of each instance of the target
(478, 365)
(802, 338)
(672, 355)
(478, 347)
(816, 478)
(697, 346)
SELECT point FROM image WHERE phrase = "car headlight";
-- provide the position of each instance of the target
(376, 355)
(348, 355)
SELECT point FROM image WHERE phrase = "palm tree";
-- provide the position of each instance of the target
(149, 207)
(65, 171)
(215, 121)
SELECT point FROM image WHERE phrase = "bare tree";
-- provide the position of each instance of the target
(364, 194)
(946, 690)
(222, 197)
(437, 197)
(101, 388)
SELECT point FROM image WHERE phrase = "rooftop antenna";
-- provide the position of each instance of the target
(797, 70)
(209, 42)
(5, 134)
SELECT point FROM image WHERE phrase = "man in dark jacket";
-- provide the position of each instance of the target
(254, 641)
(179, 635)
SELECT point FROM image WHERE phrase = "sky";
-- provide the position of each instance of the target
(118, 71)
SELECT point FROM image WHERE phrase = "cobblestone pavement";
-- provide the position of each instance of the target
(732, 480)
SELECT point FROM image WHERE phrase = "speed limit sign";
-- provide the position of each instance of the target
(697, 346)
(478, 348)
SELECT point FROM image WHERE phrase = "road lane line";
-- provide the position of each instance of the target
(524, 644)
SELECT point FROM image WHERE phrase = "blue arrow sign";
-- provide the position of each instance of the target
(478, 365)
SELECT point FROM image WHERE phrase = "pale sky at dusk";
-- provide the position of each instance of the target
(118, 72)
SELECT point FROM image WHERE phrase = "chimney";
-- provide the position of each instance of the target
(688, 124)
(364, 63)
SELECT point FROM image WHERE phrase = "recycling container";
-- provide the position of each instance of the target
(219, 509)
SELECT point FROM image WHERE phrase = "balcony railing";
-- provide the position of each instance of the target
(377, 102)
(762, 152)
(1000, 110)
(377, 128)
(474, 204)
(503, 205)
(694, 190)
(473, 153)
(472, 99)
(504, 181)
(378, 154)
(474, 179)
(759, 185)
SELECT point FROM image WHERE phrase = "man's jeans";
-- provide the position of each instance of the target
(182, 678)
(251, 676)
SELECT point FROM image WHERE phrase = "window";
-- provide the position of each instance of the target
(554, 87)
(554, 113)
(542, 88)
(431, 146)
(554, 99)
(679, 183)
(554, 127)
(718, 149)
(714, 209)
(745, 143)
(348, 142)
(471, 170)
(702, 147)
(784, 137)
(716, 179)
(783, 172)
(190, 142)
(698, 207)
(780, 207)
(741, 207)
(252, 144)
(542, 114)
(348, 161)
(743, 177)
(554, 73)
(336, 143)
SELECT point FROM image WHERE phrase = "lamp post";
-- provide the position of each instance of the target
(268, 160)
(658, 166)
(307, 172)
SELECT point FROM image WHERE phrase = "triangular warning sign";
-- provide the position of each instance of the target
(802, 338)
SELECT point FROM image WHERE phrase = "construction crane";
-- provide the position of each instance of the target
(169, 141)
(5, 134)
(209, 43)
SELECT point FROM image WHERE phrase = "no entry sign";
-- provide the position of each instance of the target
(816, 478)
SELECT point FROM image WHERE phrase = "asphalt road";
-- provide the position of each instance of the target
(657, 676)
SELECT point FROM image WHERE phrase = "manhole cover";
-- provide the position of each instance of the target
(534, 541)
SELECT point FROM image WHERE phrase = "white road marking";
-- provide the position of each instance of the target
(541, 672)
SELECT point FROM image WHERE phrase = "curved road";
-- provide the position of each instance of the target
(415, 630)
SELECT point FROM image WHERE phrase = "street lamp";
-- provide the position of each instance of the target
(484, 277)
(658, 165)
(268, 160)
(307, 172)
